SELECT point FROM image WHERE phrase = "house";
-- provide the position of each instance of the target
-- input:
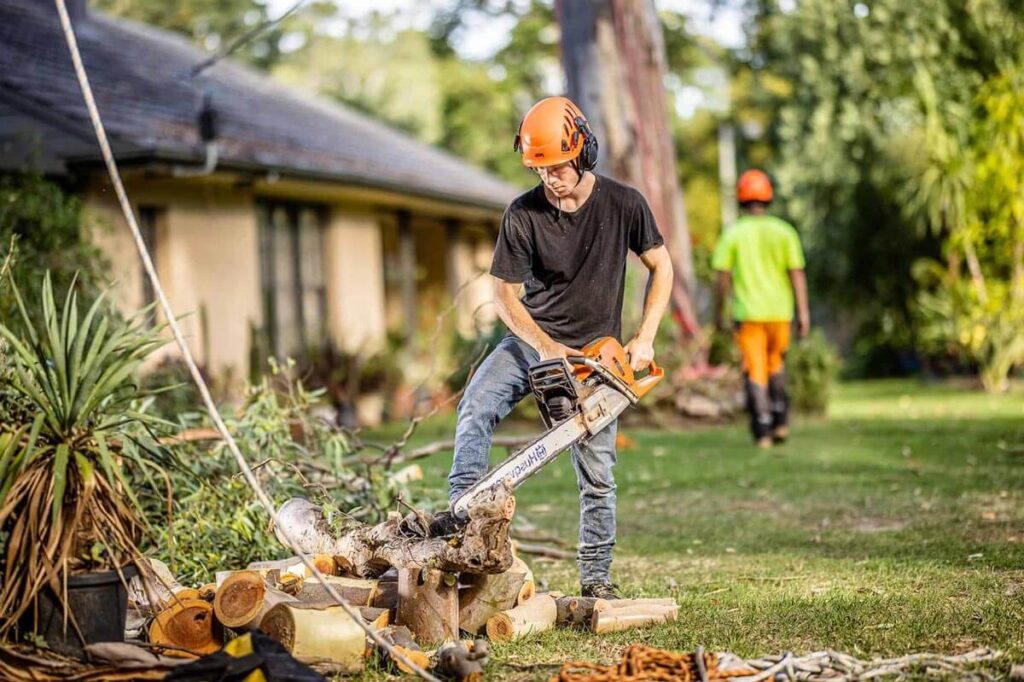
(265, 208)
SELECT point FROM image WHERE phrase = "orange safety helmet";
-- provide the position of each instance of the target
(754, 185)
(554, 131)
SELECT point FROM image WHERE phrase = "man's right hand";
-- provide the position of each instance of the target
(552, 350)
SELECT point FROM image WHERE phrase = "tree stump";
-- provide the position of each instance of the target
(428, 604)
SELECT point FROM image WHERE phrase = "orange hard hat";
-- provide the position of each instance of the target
(554, 131)
(754, 185)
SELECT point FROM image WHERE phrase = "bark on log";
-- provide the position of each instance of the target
(400, 637)
(386, 596)
(529, 587)
(578, 611)
(368, 551)
(187, 624)
(376, 618)
(621, 618)
(356, 591)
(317, 634)
(535, 615)
(243, 599)
(428, 604)
(486, 595)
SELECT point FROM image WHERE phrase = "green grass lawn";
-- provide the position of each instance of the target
(893, 526)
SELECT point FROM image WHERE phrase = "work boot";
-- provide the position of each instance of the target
(607, 591)
(778, 398)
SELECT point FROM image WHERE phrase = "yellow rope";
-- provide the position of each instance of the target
(642, 664)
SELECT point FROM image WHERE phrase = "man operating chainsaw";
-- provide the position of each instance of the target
(559, 270)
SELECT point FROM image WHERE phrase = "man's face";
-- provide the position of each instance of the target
(560, 180)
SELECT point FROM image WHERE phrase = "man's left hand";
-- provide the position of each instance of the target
(640, 352)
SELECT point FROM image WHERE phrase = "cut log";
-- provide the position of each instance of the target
(428, 604)
(186, 625)
(378, 619)
(368, 551)
(356, 591)
(317, 634)
(617, 618)
(325, 564)
(529, 587)
(401, 639)
(386, 596)
(578, 611)
(487, 594)
(239, 598)
(535, 615)
(158, 586)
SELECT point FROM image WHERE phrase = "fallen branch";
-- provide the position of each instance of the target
(368, 551)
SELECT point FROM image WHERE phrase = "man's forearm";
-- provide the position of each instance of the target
(655, 302)
(513, 313)
(799, 282)
(722, 296)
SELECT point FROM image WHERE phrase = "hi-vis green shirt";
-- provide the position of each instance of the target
(760, 251)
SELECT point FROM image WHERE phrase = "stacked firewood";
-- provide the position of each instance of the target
(421, 612)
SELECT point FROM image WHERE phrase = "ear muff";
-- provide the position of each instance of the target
(587, 160)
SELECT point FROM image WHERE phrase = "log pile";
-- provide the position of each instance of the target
(420, 593)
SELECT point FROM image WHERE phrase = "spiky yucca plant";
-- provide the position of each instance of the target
(66, 499)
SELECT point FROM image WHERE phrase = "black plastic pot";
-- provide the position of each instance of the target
(99, 602)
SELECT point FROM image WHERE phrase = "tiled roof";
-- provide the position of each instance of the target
(149, 104)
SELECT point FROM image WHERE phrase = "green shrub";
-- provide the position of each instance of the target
(811, 368)
(42, 225)
(467, 351)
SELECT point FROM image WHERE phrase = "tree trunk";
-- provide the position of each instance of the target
(356, 591)
(428, 604)
(614, 59)
(368, 551)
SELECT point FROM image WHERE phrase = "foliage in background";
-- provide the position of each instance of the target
(811, 366)
(216, 523)
(40, 233)
(75, 464)
(466, 349)
(345, 376)
(868, 105)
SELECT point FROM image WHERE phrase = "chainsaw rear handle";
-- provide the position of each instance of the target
(644, 385)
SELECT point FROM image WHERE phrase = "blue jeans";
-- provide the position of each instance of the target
(498, 385)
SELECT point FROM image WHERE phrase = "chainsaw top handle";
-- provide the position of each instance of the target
(607, 358)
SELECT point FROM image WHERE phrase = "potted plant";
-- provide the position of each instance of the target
(72, 443)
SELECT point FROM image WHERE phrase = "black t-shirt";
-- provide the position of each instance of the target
(573, 265)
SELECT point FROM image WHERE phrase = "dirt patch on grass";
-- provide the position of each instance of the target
(876, 524)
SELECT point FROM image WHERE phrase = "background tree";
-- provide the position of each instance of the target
(615, 64)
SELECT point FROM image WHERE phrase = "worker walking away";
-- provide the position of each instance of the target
(559, 271)
(760, 261)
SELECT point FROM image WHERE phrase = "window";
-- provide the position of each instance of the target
(292, 271)
(148, 220)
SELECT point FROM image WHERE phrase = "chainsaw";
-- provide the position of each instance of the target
(578, 396)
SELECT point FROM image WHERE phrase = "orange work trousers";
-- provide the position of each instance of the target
(763, 346)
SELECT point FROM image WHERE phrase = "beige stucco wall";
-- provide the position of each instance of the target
(354, 262)
(206, 256)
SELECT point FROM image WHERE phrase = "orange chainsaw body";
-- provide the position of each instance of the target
(612, 356)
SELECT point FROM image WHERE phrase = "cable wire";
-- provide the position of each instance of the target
(179, 338)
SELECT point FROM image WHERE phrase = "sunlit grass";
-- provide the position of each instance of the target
(895, 525)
